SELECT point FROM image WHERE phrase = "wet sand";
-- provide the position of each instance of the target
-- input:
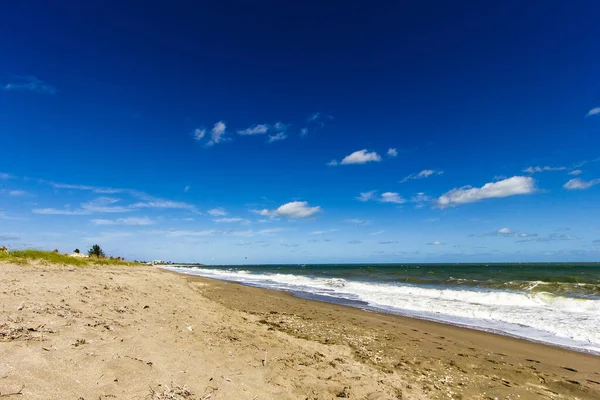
(143, 333)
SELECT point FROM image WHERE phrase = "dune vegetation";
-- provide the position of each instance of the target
(53, 257)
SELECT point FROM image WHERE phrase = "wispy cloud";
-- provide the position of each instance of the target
(436, 243)
(366, 196)
(508, 233)
(357, 221)
(99, 205)
(354, 242)
(392, 197)
(392, 152)
(217, 133)
(324, 231)
(593, 111)
(358, 157)
(29, 84)
(216, 232)
(148, 201)
(217, 212)
(294, 209)
(315, 121)
(537, 168)
(549, 238)
(17, 193)
(199, 133)
(131, 221)
(260, 129)
(277, 137)
(576, 172)
(517, 185)
(161, 203)
(420, 199)
(579, 184)
(185, 189)
(95, 189)
(426, 173)
(281, 132)
(232, 220)
(386, 197)
(4, 176)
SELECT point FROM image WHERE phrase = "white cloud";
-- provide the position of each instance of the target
(217, 212)
(17, 193)
(217, 133)
(392, 152)
(54, 211)
(131, 221)
(99, 205)
(161, 203)
(5, 176)
(199, 133)
(549, 238)
(361, 157)
(517, 185)
(323, 231)
(578, 184)
(232, 220)
(593, 111)
(436, 243)
(376, 233)
(277, 137)
(314, 117)
(533, 170)
(357, 222)
(332, 163)
(281, 127)
(95, 189)
(576, 172)
(420, 199)
(392, 197)
(366, 196)
(294, 209)
(303, 131)
(30, 84)
(509, 233)
(185, 189)
(426, 173)
(255, 130)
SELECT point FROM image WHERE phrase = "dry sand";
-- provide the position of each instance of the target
(143, 333)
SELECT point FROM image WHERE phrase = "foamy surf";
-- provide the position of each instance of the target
(572, 322)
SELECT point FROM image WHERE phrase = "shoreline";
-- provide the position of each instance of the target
(467, 323)
(511, 355)
(107, 332)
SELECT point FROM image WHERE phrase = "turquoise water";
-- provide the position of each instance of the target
(555, 303)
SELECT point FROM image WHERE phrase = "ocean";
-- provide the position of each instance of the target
(553, 303)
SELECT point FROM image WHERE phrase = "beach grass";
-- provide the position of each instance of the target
(28, 256)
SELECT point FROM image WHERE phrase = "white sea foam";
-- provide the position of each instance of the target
(537, 316)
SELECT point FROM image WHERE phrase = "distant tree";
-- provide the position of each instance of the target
(55, 251)
(96, 251)
(76, 251)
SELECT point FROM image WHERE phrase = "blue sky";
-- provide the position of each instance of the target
(314, 132)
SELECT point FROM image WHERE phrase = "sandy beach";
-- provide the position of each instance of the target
(102, 332)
